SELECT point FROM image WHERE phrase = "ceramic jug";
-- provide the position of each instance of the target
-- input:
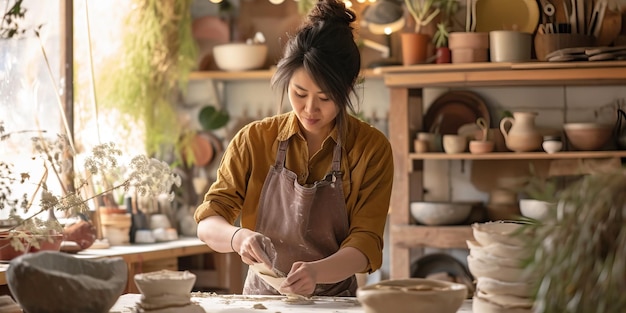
(522, 136)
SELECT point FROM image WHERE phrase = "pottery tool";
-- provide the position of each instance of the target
(597, 16)
(580, 16)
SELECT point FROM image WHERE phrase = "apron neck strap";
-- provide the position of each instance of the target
(282, 152)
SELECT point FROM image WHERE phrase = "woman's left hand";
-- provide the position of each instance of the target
(301, 280)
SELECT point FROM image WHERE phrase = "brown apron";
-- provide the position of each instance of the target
(305, 223)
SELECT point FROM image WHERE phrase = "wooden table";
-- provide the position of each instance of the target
(142, 257)
(238, 303)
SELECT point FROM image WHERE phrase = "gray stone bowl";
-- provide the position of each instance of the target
(50, 281)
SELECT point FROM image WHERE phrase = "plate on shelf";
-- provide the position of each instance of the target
(454, 109)
(504, 15)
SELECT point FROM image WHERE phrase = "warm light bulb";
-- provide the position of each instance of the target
(348, 3)
(216, 1)
(387, 30)
(276, 2)
(360, 1)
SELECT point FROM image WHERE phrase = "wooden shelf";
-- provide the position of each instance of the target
(506, 74)
(443, 237)
(406, 84)
(519, 156)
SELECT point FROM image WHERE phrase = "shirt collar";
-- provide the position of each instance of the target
(291, 127)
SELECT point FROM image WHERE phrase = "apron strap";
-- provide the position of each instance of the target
(336, 168)
(280, 155)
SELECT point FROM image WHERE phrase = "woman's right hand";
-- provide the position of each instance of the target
(254, 247)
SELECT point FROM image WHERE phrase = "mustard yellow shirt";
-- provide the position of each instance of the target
(366, 161)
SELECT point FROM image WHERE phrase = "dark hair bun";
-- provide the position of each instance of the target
(331, 10)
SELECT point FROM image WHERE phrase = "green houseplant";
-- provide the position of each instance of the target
(144, 80)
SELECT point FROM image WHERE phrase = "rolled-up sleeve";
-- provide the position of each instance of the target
(371, 162)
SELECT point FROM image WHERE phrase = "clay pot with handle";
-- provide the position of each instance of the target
(522, 136)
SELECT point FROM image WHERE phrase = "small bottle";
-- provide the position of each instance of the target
(552, 144)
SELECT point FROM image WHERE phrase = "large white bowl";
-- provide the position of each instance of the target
(240, 56)
(441, 213)
(414, 295)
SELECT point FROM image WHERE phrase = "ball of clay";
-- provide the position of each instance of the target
(50, 281)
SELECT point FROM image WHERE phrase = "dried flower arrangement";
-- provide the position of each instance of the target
(145, 176)
(580, 252)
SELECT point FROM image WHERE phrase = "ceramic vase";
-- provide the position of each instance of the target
(522, 136)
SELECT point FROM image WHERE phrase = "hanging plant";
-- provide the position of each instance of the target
(158, 54)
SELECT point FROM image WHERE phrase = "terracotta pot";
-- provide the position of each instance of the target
(469, 47)
(443, 55)
(8, 252)
(414, 48)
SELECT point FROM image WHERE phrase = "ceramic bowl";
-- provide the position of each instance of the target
(587, 136)
(535, 209)
(498, 287)
(155, 284)
(240, 56)
(480, 268)
(484, 256)
(497, 232)
(479, 146)
(440, 213)
(49, 281)
(414, 295)
(484, 305)
(499, 249)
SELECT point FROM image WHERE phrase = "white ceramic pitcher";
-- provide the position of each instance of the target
(522, 136)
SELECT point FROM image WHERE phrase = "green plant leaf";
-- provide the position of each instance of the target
(210, 118)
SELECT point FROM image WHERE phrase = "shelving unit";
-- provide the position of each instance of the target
(406, 84)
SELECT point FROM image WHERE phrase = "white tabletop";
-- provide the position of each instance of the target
(214, 303)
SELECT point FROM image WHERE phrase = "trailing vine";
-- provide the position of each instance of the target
(158, 54)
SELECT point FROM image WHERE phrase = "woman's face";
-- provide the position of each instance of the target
(315, 111)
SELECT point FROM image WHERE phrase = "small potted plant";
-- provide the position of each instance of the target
(415, 45)
(448, 10)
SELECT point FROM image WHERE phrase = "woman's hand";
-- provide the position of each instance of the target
(301, 279)
(254, 247)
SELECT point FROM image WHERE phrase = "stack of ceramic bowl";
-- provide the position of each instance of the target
(495, 260)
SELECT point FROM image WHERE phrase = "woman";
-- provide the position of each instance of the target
(319, 214)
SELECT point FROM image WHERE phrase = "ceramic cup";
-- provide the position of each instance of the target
(454, 143)
(509, 46)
